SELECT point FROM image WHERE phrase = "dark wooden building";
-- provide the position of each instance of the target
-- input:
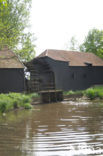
(66, 70)
(11, 72)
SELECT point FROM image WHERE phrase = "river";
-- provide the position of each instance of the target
(69, 128)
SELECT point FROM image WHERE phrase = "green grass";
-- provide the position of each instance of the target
(94, 92)
(13, 101)
(78, 92)
(33, 95)
(91, 93)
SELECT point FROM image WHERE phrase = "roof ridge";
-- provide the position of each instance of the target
(8, 59)
(75, 58)
(58, 50)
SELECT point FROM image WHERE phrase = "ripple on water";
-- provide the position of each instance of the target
(71, 128)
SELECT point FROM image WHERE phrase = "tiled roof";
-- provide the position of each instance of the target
(73, 57)
(8, 59)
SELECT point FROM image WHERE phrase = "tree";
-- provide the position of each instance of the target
(26, 47)
(14, 19)
(93, 42)
(73, 44)
(3, 3)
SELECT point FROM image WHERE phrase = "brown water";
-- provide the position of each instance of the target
(72, 128)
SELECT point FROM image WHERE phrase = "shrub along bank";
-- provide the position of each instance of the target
(91, 93)
(94, 92)
(13, 101)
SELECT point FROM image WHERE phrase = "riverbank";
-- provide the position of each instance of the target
(14, 101)
(91, 93)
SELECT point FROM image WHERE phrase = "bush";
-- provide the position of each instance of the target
(34, 95)
(27, 106)
(13, 101)
(96, 92)
(3, 105)
(100, 95)
(69, 92)
(90, 93)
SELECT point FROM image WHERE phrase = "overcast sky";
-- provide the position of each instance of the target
(54, 22)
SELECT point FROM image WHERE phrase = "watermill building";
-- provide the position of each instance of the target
(11, 72)
(65, 70)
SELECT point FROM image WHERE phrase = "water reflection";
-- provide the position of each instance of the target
(68, 128)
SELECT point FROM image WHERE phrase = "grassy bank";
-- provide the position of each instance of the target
(13, 101)
(91, 93)
(73, 92)
(94, 92)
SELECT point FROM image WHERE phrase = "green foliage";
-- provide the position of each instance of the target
(78, 92)
(93, 42)
(90, 93)
(69, 92)
(26, 50)
(73, 44)
(3, 3)
(14, 20)
(100, 94)
(95, 92)
(5, 103)
(14, 100)
(33, 95)
(27, 106)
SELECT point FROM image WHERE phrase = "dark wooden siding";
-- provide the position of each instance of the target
(11, 80)
(75, 77)
(47, 73)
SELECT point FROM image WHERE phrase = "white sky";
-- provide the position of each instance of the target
(54, 22)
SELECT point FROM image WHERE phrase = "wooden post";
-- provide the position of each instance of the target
(51, 96)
